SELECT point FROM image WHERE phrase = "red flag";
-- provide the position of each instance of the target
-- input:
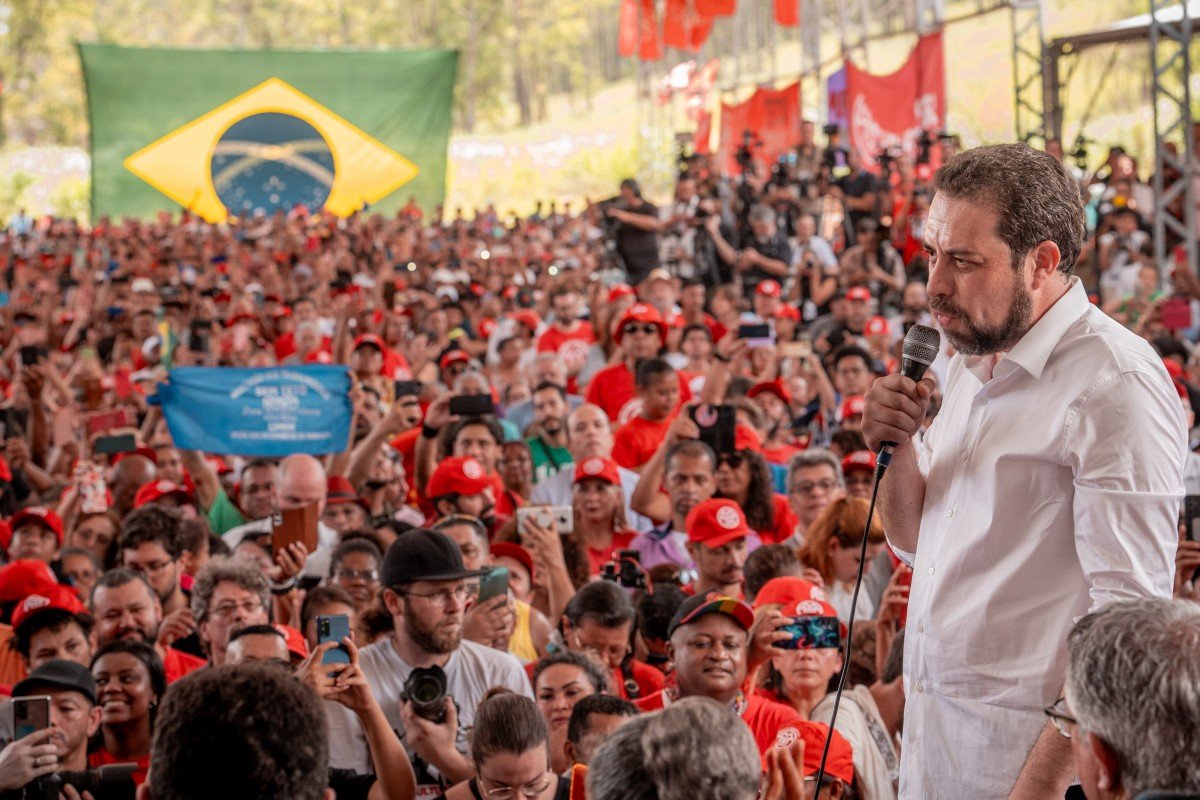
(702, 141)
(771, 115)
(894, 110)
(716, 8)
(684, 28)
(648, 46)
(787, 13)
(627, 31)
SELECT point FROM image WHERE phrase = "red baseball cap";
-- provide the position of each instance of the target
(604, 469)
(745, 438)
(797, 596)
(859, 293)
(863, 460)
(711, 603)
(296, 645)
(516, 553)
(853, 406)
(641, 312)
(527, 318)
(370, 340)
(338, 489)
(716, 522)
(877, 326)
(774, 387)
(460, 475)
(218, 465)
(154, 491)
(787, 311)
(57, 597)
(769, 288)
(24, 577)
(38, 515)
(840, 763)
(620, 290)
(453, 357)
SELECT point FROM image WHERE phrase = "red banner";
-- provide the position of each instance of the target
(701, 141)
(787, 13)
(889, 111)
(637, 31)
(684, 28)
(772, 118)
(716, 8)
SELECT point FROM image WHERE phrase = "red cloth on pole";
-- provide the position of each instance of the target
(787, 13)
(627, 31)
(772, 115)
(716, 8)
(702, 142)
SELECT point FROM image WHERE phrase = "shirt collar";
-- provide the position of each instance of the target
(1035, 347)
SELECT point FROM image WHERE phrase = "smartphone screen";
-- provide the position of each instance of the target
(334, 628)
(30, 715)
(815, 633)
(716, 424)
(473, 405)
(493, 584)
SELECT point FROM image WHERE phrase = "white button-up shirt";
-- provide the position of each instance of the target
(1052, 488)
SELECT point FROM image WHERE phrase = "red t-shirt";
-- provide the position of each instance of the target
(771, 724)
(635, 441)
(612, 389)
(573, 346)
(177, 663)
(780, 455)
(406, 445)
(598, 558)
(649, 680)
(785, 522)
(101, 758)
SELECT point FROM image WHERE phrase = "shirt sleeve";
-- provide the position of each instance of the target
(223, 515)
(1126, 444)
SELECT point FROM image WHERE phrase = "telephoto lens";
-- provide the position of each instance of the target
(426, 689)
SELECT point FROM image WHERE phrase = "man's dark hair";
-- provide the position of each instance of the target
(655, 611)
(240, 732)
(1170, 346)
(117, 577)
(850, 351)
(767, 562)
(256, 630)
(356, 545)
(546, 386)
(848, 441)
(53, 620)
(602, 602)
(319, 597)
(1035, 197)
(194, 535)
(596, 704)
(258, 463)
(595, 674)
(152, 523)
(691, 448)
(651, 369)
(217, 547)
(696, 326)
(452, 430)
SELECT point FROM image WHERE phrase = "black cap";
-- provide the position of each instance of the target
(58, 674)
(424, 555)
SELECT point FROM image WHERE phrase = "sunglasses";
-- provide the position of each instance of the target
(646, 329)
(812, 633)
(734, 461)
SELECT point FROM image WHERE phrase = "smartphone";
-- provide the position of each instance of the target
(757, 335)
(295, 525)
(716, 424)
(812, 633)
(561, 518)
(104, 421)
(334, 628)
(493, 583)
(472, 405)
(93, 490)
(406, 389)
(111, 445)
(800, 349)
(30, 715)
(32, 354)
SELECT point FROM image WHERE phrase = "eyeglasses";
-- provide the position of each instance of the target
(808, 487)
(1059, 716)
(153, 568)
(442, 597)
(733, 461)
(646, 329)
(347, 574)
(532, 789)
(227, 609)
(860, 478)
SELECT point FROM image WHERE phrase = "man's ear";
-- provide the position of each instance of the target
(1108, 771)
(93, 721)
(393, 602)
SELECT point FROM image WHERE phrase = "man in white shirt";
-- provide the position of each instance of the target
(427, 592)
(1048, 485)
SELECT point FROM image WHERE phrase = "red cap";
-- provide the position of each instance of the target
(604, 469)
(744, 438)
(859, 293)
(798, 597)
(38, 515)
(461, 475)
(877, 326)
(338, 490)
(840, 763)
(853, 405)
(774, 387)
(242, 317)
(370, 340)
(516, 553)
(24, 577)
(716, 522)
(154, 491)
(1173, 368)
(218, 465)
(5, 470)
(641, 312)
(863, 460)
(769, 288)
(486, 326)
(453, 357)
(58, 597)
(620, 290)
(786, 311)
(527, 319)
(295, 641)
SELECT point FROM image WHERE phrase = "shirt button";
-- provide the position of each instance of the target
(920, 686)
(983, 401)
(931, 569)
(949, 512)
(963, 455)
(920, 627)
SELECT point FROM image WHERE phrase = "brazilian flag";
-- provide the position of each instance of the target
(231, 132)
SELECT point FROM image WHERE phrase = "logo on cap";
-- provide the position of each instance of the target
(706, 415)
(165, 486)
(809, 607)
(593, 466)
(472, 469)
(727, 518)
(784, 739)
(35, 601)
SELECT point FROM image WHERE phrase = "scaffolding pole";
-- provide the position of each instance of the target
(1028, 26)
(1171, 60)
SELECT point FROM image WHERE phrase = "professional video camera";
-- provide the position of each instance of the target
(109, 782)
(745, 152)
(626, 571)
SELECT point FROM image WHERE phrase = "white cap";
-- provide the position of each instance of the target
(142, 286)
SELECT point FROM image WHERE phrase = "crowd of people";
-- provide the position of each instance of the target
(663, 464)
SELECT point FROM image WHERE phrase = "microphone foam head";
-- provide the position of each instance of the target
(922, 343)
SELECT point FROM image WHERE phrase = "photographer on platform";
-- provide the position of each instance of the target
(635, 227)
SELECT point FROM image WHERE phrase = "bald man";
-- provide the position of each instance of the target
(301, 480)
(130, 473)
(589, 433)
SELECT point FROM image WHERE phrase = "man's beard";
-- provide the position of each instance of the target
(981, 341)
(428, 639)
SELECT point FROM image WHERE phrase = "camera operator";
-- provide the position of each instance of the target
(1118, 254)
(678, 231)
(427, 594)
(635, 231)
(816, 271)
(858, 191)
(874, 262)
(766, 255)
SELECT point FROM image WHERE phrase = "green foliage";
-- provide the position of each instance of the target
(12, 192)
(70, 199)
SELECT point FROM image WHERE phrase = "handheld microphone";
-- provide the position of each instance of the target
(921, 347)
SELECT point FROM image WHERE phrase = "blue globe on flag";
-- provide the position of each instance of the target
(271, 161)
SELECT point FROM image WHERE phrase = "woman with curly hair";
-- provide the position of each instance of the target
(833, 547)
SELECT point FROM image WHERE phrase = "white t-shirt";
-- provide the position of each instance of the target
(471, 670)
